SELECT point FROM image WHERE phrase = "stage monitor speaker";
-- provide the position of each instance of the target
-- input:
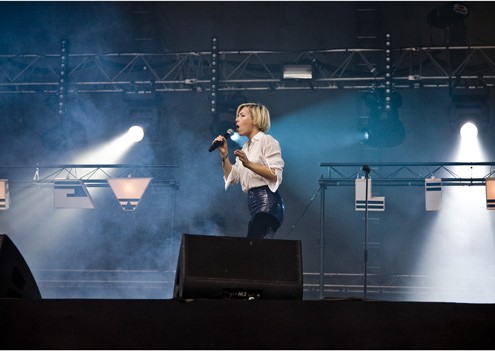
(16, 279)
(218, 267)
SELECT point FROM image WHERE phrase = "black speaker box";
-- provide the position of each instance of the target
(16, 279)
(238, 268)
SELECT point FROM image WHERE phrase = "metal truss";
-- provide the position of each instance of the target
(97, 176)
(92, 175)
(409, 174)
(395, 174)
(321, 283)
(398, 285)
(466, 67)
(156, 282)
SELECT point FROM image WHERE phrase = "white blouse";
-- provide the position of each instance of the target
(264, 150)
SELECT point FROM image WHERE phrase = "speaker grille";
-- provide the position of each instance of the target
(209, 265)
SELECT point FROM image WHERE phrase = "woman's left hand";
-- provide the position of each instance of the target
(243, 158)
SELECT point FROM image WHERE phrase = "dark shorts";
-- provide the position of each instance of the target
(267, 212)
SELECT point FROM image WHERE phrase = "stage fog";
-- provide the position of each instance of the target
(106, 252)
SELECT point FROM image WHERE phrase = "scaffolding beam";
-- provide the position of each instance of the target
(395, 174)
(349, 68)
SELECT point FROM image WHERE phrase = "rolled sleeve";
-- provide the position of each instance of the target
(233, 176)
(273, 160)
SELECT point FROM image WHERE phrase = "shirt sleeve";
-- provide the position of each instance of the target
(233, 176)
(272, 155)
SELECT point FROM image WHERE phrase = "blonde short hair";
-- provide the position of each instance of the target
(259, 113)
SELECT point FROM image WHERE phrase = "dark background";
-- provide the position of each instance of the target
(124, 254)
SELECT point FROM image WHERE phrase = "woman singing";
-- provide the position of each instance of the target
(258, 168)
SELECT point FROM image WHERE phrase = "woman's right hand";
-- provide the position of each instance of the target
(224, 148)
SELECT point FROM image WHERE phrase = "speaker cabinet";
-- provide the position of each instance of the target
(16, 279)
(238, 268)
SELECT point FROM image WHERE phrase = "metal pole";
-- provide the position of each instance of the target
(322, 239)
(366, 170)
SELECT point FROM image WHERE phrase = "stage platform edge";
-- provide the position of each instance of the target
(243, 324)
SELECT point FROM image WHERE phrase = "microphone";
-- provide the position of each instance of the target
(217, 143)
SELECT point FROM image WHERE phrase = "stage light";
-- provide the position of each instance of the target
(469, 106)
(384, 128)
(144, 110)
(366, 135)
(433, 194)
(71, 193)
(136, 133)
(4, 194)
(214, 75)
(129, 191)
(469, 130)
(109, 152)
(448, 15)
(490, 193)
(298, 72)
(384, 133)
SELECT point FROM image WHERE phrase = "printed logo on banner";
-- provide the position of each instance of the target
(4, 194)
(433, 194)
(71, 193)
(375, 203)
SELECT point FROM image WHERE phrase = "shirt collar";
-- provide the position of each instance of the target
(258, 136)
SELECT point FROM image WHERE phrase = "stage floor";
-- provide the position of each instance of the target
(242, 324)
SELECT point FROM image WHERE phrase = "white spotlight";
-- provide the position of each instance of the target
(136, 133)
(469, 130)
